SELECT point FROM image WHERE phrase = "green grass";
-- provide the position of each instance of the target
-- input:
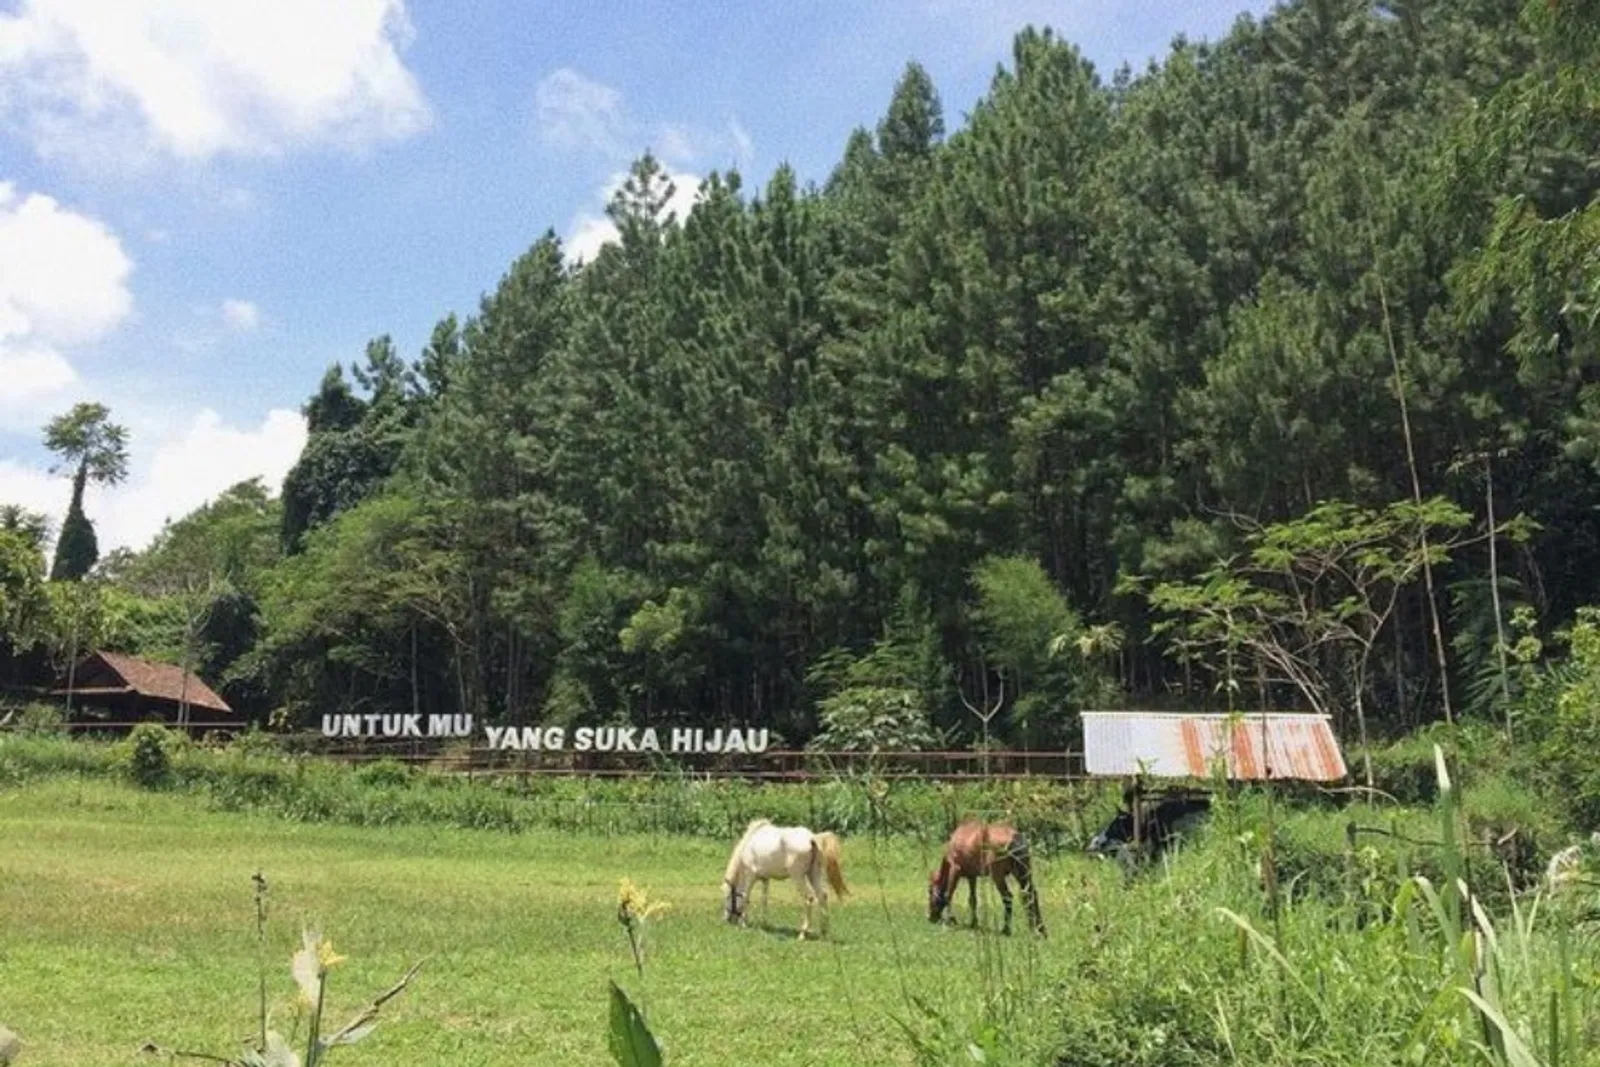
(128, 917)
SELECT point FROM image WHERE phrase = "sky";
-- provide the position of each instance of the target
(205, 203)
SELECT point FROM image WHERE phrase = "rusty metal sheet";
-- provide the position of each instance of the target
(1253, 747)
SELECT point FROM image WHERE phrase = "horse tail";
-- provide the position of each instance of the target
(826, 845)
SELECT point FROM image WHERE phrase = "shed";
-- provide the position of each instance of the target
(1253, 746)
(126, 689)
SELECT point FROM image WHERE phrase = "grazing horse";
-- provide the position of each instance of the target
(1160, 824)
(975, 849)
(767, 851)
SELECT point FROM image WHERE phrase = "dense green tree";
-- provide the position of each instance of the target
(33, 526)
(841, 460)
(21, 590)
(353, 443)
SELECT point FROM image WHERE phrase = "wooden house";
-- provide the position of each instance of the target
(118, 689)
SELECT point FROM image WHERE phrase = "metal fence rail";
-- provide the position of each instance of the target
(776, 765)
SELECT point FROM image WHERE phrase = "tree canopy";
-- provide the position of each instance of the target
(824, 458)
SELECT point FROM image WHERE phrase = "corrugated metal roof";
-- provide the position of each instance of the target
(1186, 746)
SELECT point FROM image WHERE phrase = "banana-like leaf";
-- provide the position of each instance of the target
(632, 1043)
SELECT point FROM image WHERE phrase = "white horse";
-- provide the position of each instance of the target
(767, 851)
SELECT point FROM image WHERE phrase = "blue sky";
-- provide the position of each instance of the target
(203, 203)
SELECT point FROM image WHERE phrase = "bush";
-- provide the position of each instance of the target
(1571, 730)
(257, 742)
(150, 754)
(384, 773)
(41, 719)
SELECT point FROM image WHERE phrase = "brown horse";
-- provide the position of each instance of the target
(975, 849)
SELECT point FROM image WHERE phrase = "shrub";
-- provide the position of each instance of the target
(42, 719)
(257, 742)
(1572, 730)
(384, 773)
(150, 751)
(875, 719)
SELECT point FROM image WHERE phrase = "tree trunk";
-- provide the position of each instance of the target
(72, 673)
(183, 689)
(461, 685)
(1366, 747)
(1494, 591)
(416, 699)
(1400, 666)
(1416, 491)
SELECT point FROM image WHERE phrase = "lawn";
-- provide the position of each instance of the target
(128, 917)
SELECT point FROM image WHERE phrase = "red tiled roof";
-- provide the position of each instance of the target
(163, 681)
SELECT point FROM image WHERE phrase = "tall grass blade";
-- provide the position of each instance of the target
(1555, 1028)
(1517, 1052)
(1272, 949)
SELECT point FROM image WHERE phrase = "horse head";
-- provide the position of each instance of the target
(732, 904)
(938, 894)
(1162, 822)
(1118, 832)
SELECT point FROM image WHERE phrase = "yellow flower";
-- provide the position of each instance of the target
(634, 904)
(327, 957)
(315, 958)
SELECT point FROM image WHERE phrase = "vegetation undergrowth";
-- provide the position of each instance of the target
(250, 775)
(1410, 949)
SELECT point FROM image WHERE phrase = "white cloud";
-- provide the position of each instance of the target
(684, 144)
(676, 143)
(742, 144)
(575, 112)
(201, 77)
(63, 281)
(591, 230)
(241, 314)
(34, 489)
(63, 276)
(169, 475)
(590, 233)
(32, 380)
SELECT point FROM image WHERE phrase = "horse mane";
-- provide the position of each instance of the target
(733, 860)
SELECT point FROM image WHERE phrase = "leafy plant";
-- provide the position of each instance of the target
(149, 755)
(634, 910)
(631, 1042)
(310, 966)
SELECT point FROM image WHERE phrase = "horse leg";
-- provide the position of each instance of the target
(766, 888)
(1023, 863)
(1005, 898)
(744, 884)
(804, 886)
(819, 890)
(972, 899)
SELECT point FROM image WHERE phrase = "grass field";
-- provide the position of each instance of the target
(128, 917)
